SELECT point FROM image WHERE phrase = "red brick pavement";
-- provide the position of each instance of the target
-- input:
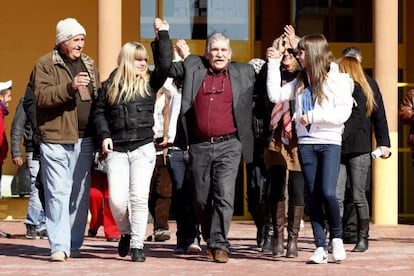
(391, 252)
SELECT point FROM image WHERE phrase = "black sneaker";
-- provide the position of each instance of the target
(42, 234)
(123, 245)
(31, 232)
(92, 233)
(137, 255)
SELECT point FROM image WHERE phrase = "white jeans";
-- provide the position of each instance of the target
(129, 178)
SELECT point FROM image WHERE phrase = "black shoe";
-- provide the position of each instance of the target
(137, 255)
(180, 250)
(92, 233)
(31, 232)
(42, 234)
(112, 239)
(123, 245)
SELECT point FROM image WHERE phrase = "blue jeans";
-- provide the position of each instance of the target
(66, 179)
(320, 168)
(35, 213)
(183, 198)
(214, 168)
(129, 177)
(355, 169)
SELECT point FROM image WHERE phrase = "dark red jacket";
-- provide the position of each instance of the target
(4, 145)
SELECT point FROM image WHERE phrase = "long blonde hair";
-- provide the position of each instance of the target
(353, 67)
(126, 85)
(318, 57)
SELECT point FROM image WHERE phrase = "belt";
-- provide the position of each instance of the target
(217, 139)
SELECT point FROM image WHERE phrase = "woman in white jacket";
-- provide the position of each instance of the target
(323, 103)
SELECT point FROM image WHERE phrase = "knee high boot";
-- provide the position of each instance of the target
(278, 219)
(363, 229)
(267, 234)
(295, 214)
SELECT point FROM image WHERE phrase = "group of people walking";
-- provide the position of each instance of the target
(305, 99)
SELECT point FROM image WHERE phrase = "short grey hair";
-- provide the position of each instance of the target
(352, 52)
(216, 37)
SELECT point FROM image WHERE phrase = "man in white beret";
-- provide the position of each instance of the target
(65, 81)
(5, 98)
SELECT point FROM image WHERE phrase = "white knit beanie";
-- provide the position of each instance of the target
(68, 28)
(5, 85)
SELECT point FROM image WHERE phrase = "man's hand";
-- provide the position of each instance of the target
(182, 48)
(18, 161)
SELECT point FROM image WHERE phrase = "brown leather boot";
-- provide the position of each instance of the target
(295, 214)
(278, 219)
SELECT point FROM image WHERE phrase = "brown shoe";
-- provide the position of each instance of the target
(221, 256)
(209, 255)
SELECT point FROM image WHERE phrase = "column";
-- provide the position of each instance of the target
(109, 35)
(385, 172)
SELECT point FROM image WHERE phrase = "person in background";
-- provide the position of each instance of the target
(21, 128)
(5, 98)
(99, 208)
(256, 170)
(124, 117)
(216, 123)
(161, 187)
(281, 156)
(65, 81)
(323, 103)
(356, 143)
(188, 234)
(406, 116)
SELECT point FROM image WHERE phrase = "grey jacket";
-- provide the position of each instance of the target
(242, 77)
(20, 128)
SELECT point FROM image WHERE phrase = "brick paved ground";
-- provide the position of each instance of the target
(391, 252)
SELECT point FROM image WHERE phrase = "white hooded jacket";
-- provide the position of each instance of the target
(326, 119)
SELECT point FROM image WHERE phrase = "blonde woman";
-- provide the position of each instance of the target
(323, 103)
(123, 118)
(356, 146)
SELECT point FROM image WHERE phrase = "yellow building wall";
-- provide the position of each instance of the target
(27, 31)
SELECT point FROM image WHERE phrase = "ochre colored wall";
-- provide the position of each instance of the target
(27, 31)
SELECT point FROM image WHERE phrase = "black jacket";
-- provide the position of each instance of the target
(356, 138)
(129, 125)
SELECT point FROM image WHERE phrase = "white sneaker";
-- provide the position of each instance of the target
(58, 256)
(320, 256)
(338, 250)
(194, 248)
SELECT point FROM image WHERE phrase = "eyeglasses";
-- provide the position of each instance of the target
(213, 89)
(292, 51)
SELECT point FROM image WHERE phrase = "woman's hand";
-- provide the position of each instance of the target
(304, 120)
(107, 145)
(273, 54)
(289, 33)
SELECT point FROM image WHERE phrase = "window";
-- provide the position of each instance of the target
(196, 19)
(338, 20)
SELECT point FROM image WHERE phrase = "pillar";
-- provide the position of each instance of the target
(385, 171)
(109, 35)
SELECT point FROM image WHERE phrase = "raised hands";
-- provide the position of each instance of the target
(289, 34)
(275, 52)
(160, 25)
(182, 48)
